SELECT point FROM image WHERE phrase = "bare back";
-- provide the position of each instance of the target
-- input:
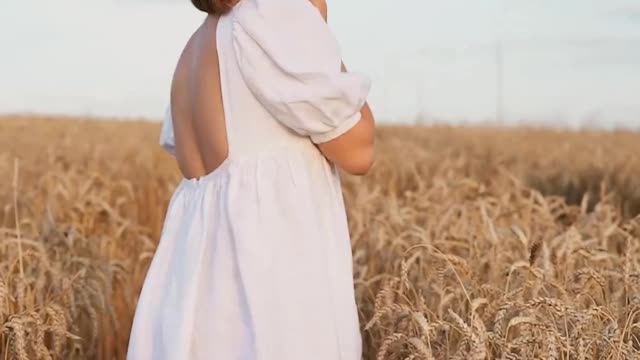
(196, 105)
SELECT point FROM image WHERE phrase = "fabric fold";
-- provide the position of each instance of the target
(167, 137)
(293, 68)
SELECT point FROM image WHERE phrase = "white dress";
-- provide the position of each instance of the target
(254, 261)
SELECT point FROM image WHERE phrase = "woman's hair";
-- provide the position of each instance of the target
(214, 7)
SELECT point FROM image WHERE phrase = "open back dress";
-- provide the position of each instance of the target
(254, 261)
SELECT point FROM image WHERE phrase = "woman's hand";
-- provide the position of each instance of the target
(321, 5)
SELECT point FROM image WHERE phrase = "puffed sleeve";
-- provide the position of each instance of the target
(167, 138)
(290, 60)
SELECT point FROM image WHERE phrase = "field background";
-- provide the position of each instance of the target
(468, 243)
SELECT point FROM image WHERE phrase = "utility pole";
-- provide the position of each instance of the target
(499, 82)
(500, 64)
(419, 98)
(387, 83)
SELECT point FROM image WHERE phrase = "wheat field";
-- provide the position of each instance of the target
(468, 243)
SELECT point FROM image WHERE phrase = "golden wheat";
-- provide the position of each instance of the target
(468, 243)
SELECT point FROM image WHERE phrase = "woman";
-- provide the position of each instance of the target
(254, 261)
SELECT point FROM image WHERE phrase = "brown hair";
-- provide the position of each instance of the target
(214, 7)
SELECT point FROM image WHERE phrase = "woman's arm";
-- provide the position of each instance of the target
(353, 151)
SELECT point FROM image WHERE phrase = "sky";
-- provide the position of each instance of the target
(568, 63)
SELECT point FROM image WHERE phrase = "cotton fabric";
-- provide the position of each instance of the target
(254, 261)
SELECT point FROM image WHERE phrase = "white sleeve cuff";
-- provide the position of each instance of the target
(337, 131)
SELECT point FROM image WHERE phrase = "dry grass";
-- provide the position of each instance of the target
(468, 243)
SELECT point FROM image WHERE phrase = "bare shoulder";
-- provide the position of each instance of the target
(209, 27)
(184, 61)
(206, 41)
(199, 55)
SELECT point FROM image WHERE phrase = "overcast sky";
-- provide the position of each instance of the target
(568, 62)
